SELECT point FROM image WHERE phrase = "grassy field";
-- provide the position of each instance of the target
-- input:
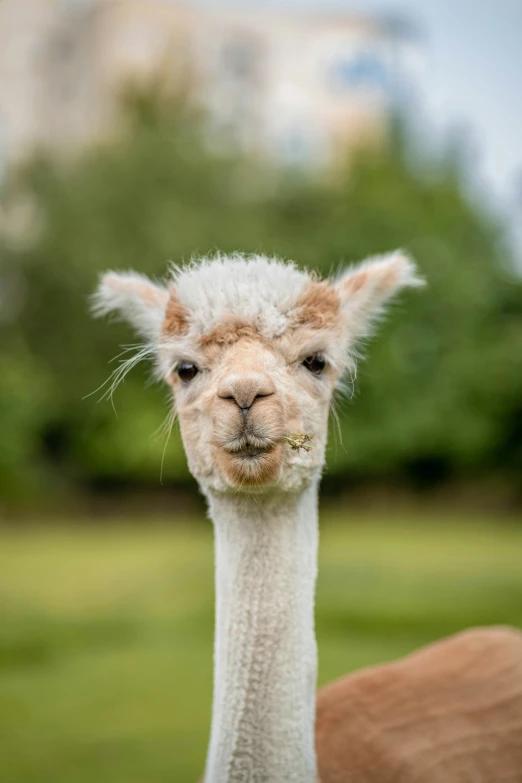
(106, 631)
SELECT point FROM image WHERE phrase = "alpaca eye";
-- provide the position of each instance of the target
(187, 371)
(315, 364)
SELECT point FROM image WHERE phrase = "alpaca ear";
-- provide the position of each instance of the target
(135, 298)
(366, 288)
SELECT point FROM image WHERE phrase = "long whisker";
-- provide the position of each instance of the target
(126, 349)
(120, 373)
(163, 429)
(347, 383)
(166, 429)
(335, 416)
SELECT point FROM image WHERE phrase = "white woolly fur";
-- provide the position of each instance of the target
(134, 297)
(259, 290)
(265, 657)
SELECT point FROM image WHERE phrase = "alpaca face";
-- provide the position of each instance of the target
(244, 399)
(253, 349)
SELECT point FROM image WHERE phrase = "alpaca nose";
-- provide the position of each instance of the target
(245, 388)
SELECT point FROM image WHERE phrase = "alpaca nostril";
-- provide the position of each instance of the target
(246, 389)
(245, 409)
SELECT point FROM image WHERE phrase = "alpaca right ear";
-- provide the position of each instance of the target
(135, 298)
(365, 290)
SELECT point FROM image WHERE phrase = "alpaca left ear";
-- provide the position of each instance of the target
(134, 297)
(365, 289)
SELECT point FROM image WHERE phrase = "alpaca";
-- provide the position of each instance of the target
(253, 350)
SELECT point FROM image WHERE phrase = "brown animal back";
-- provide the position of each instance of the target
(449, 713)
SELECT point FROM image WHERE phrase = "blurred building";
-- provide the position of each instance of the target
(292, 85)
(26, 28)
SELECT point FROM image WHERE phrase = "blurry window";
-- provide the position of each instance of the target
(297, 148)
(238, 57)
(364, 71)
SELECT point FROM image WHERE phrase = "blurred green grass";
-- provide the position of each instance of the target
(106, 630)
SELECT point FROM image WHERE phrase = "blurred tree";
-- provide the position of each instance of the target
(442, 394)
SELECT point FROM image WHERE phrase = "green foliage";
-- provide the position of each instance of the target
(440, 394)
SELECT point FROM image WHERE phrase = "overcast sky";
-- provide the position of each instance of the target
(473, 74)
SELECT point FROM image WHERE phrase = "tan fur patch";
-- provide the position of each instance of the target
(227, 333)
(151, 295)
(356, 282)
(318, 306)
(414, 718)
(242, 472)
(176, 321)
(391, 277)
(383, 278)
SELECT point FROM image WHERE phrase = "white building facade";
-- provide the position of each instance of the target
(298, 87)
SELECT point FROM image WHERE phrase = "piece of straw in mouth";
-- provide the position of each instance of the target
(297, 440)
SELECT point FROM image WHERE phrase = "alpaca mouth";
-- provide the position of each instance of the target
(250, 460)
(249, 446)
(250, 452)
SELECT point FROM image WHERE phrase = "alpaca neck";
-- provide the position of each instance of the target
(265, 658)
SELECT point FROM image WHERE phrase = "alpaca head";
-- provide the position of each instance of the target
(253, 349)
